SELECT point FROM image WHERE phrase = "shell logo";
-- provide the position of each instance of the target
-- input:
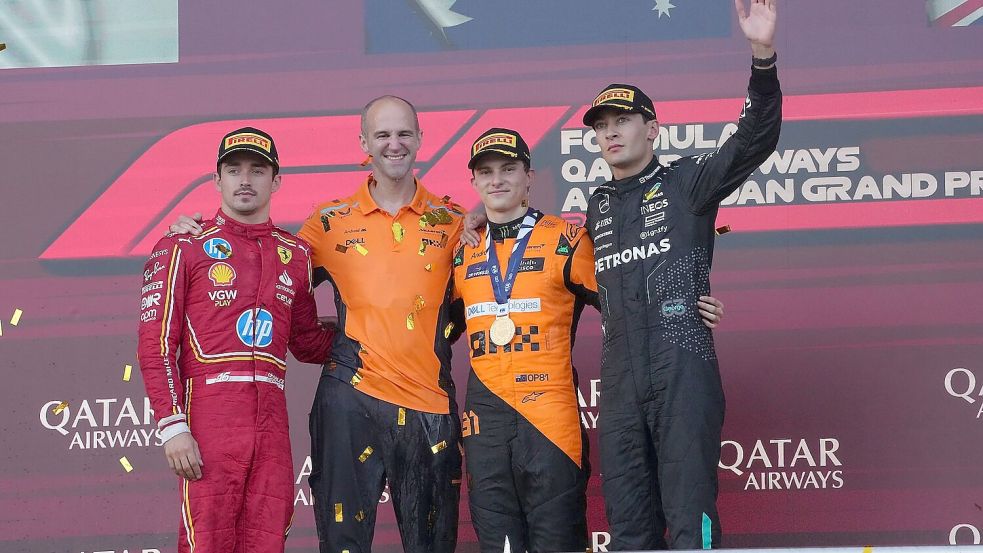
(222, 274)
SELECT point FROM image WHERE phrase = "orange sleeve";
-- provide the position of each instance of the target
(578, 271)
(313, 232)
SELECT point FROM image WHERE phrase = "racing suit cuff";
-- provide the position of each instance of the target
(173, 430)
(764, 81)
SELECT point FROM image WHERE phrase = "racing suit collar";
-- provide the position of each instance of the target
(632, 183)
(242, 229)
(502, 231)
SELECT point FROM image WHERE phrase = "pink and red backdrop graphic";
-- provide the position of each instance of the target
(851, 354)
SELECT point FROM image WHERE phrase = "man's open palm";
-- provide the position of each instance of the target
(758, 23)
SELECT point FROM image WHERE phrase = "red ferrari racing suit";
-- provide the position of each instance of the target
(218, 312)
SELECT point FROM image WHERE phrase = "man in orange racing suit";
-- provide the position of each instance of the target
(524, 287)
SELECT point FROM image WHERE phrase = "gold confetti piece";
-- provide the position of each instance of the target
(126, 464)
(361, 249)
(652, 192)
(722, 230)
(340, 248)
(1, 329)
(355, 379)
(60, 407)
(439, 447)
(16, 318)
(126, 373)
(446, 199)
(360, 516)
(423, 222)
(3, 46)
(423, 247)
(448, 329)
(339, 515)
(428, 267)
(410, 322)
(401, 417)
(442, 217)
(398, 232)
(419, 303)
(365, 454)
(456, 482)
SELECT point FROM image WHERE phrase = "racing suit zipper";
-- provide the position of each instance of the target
(630, 304)
(259, 302)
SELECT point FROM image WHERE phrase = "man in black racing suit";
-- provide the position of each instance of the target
(662, 405)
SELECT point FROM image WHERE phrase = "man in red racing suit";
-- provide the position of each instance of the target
(218, 312)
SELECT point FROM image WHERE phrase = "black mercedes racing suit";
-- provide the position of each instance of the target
(662, 404)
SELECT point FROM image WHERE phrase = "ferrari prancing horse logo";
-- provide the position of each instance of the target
(285, 254)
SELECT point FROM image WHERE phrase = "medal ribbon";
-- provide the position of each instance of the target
(503, 286)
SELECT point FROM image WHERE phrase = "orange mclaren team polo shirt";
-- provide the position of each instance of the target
(391, 275)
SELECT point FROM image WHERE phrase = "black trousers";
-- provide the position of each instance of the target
(520, 484)
(357, 443)
(660, 445)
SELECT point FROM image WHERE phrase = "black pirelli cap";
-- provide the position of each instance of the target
(505, 142)
(625, 97)
(249, 139)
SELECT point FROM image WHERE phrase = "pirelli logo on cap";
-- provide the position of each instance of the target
(247, 138)
(494, 140)
(614, 94)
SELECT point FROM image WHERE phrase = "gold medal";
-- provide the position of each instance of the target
(502, 331)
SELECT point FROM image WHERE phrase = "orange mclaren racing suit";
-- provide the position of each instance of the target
(525, 449)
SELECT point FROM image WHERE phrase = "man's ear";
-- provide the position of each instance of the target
(653, 131)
